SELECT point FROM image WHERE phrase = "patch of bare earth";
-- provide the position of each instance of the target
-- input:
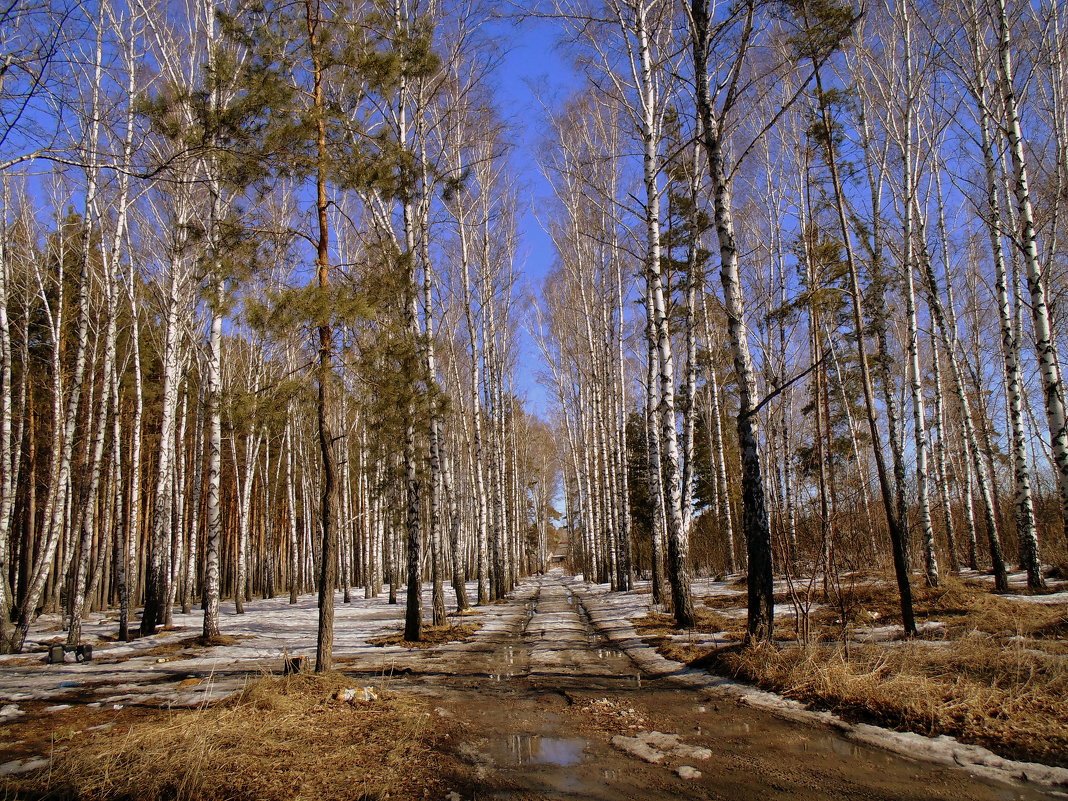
(996, 673)
(431, 636)
(280, 739)
(610, 716)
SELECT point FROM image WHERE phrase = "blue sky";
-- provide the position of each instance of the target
(533, 72)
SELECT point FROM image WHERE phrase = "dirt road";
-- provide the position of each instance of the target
(539, 696)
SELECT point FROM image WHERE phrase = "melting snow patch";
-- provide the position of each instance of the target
(687, 772)
(636, 747)
(22, 766)
(684, 751)
(1051, 599)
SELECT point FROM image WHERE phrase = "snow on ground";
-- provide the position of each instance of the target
(1019, 579)
(1052, 599)
(123, 673)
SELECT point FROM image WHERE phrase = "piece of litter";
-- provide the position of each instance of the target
(351, 694)
(686, 772)
(116, 706)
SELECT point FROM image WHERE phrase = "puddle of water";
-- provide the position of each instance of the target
(533, 749)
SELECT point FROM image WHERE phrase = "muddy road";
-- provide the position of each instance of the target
(539, 696)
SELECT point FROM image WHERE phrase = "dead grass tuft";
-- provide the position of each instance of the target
(432, 635)
(659, 630)
(277, 740)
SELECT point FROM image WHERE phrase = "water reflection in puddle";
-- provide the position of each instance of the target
(532, 749)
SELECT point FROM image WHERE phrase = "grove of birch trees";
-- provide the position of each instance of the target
(265, 327)
(810, 259)
(260, 311)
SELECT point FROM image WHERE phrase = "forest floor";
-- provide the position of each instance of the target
(987, 669)
(552, 695)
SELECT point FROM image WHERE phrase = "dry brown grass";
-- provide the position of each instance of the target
(431, 636)
(280, 739)
(964, 606)
(997, 676)
(1010, 699)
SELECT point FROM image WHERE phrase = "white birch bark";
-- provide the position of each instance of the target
(156, 585)
(1026, 239)
(1010, 353)
(910, 212)
(56, 515)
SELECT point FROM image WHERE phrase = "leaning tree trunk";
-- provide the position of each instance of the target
(65, 425)
(947, 333)
(893, 521)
